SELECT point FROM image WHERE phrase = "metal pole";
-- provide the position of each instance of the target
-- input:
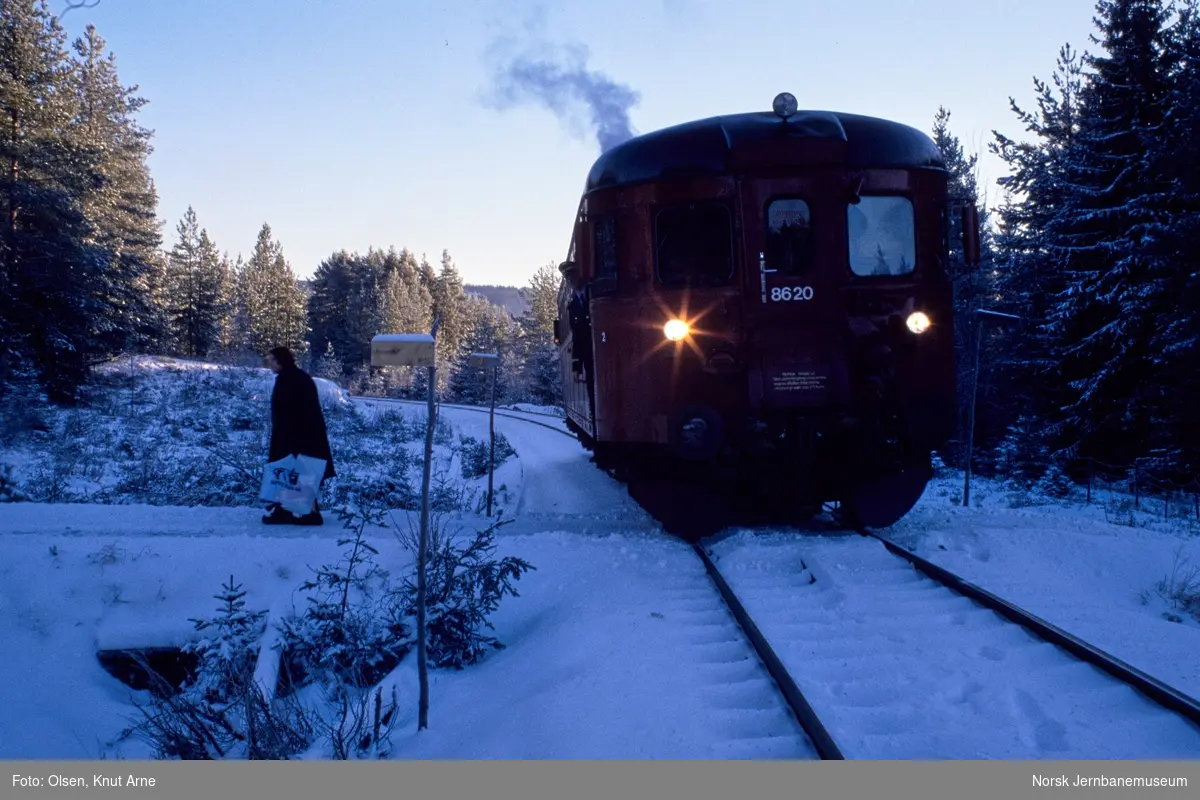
(977, 327)
(492, 435)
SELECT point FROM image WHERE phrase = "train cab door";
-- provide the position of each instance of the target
(792, 235)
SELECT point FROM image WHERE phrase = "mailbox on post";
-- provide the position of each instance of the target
(492, 361)
(402, 350)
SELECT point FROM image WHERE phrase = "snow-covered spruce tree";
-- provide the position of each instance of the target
(1105, 320)
(228, 651)
(1173, 249)
(475, 454)
(464, 586)
(223, 712)
(1028, 277)
(328, 366)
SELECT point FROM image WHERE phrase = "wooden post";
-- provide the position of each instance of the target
(417, 350)
(977, 327)
(423, 554)
(492, 360)
(423, 548)
(492, 443)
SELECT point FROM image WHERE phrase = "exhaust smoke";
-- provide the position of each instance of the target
(562, 82)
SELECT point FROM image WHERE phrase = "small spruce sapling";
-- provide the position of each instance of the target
(464, 586)
(346, 637)
(228, 653)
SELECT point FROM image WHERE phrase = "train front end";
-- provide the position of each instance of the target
(780, 326)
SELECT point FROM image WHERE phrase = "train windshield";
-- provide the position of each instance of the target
(693, 245)
(882, 236)
(789, 236)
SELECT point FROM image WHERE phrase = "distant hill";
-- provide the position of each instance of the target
(507, 297)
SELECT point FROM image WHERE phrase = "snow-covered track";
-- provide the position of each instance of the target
(896, 664)
(523, 416)
(826, 748)
(1166, 696)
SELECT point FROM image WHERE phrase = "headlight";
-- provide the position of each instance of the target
(917, 322)
(676, 329)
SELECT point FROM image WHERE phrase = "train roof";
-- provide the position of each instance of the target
(710, 146)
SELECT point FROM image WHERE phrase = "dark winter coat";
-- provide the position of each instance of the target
(297, 421)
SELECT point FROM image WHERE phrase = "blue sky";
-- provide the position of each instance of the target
(357, 123)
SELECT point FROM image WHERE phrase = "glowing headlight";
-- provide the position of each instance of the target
(917, 322)
(675, 330)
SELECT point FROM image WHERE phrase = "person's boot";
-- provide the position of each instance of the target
(279, 516)
(313, 517)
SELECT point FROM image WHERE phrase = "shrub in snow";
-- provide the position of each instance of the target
(349, 635)
(1181, 588)
(464, 584)
(475, 454)
(10, 491)
(229, 650)
(149, 434)
(1055, 483)
(223, 713)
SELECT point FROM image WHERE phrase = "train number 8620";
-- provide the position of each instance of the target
(787, 294)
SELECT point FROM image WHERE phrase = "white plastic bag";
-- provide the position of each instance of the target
(293, 482)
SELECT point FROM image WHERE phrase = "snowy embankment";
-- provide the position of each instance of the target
(617, 625)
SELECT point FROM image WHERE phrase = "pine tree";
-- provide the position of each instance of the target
(542, 296)
(52, 271)
(122, 205)
(274, 303)
(198, 307)
(489, 329)
(449, 304)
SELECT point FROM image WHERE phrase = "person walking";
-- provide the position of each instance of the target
(297, 428)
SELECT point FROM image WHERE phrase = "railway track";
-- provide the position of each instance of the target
(939, 642)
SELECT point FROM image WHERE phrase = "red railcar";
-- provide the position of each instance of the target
(768, 316)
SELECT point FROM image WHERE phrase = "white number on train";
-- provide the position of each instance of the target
(786, 294)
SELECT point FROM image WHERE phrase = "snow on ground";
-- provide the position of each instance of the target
(1070, 565)
(617, 646)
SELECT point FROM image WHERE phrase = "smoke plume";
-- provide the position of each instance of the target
(562, 83)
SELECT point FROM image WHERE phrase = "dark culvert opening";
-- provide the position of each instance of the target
(137, 668)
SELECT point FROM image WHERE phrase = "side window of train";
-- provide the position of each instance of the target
(789, 236)
(882, 236)
(604, 253)
(693, 245)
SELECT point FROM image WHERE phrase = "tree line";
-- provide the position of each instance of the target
(1096, 247)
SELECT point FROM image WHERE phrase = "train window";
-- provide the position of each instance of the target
(882, 236)
(605, 247)
(693, 245)
(789, 236)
